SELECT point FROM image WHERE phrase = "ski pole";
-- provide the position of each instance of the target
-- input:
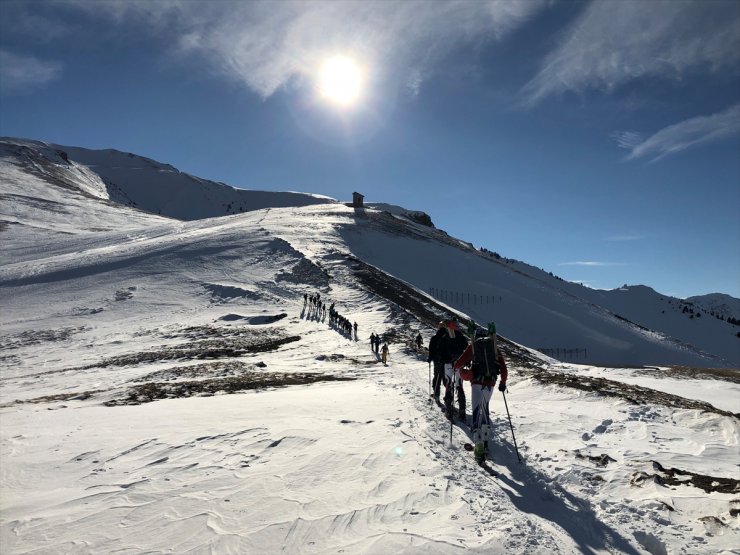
(511, 425)
(430, 379)
(452, 387)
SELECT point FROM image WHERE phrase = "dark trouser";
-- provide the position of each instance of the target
(439, 372)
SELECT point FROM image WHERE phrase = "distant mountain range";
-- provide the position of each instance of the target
(51, 192)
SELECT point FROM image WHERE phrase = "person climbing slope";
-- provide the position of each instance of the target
(435, 357)
(487, 364)
(451, 345)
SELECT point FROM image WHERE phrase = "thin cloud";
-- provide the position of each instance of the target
(614, 42)
(25, 19)
(20, 74)
(592, 264)
(269, 45)
(627, 139)
(683, 135)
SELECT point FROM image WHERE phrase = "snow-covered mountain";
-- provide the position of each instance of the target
(717, 305)
(629, 326)
(166, 388)
(143, 183)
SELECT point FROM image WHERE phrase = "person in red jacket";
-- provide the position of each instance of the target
(486, 365)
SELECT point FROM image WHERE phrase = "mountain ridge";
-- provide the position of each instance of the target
(539, 310)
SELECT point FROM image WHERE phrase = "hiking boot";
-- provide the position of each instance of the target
(480, 453)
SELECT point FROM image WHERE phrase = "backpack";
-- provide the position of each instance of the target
(485, 361)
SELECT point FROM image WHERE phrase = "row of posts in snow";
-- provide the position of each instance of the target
(564, 354)
(459, 297)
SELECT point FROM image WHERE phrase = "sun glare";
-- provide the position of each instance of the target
(341, 80)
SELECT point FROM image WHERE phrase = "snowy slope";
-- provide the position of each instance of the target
(689, 322)
(47, 200)
(158, 188)
(531, 310)
(166, 389)
(718, 303)
(675, 317)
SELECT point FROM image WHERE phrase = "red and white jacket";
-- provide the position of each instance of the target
(467, 374)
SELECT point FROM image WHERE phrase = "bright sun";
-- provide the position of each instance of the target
(341, 80)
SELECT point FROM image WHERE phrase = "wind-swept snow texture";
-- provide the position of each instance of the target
(164, 388)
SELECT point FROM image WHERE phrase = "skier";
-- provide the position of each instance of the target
(451, 345)
(487, 363)
(355, 328)
(435, 357)
(384, 352)
(372, 341)
(419, 341)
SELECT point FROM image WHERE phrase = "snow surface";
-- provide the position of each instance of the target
(367, 465)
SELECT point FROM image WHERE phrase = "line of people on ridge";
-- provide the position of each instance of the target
(315, 305)
(336, 320)
(340, 323)
(479, 361)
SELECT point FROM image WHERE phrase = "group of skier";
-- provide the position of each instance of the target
(455, 359)
(318, 308)
(342, 324)
(479, 361)
(315, 305)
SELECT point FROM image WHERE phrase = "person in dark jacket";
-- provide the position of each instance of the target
(451, 345)
(487, 365)
(384, 353)
(435, 357)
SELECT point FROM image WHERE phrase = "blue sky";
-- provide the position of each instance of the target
(597, 140)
